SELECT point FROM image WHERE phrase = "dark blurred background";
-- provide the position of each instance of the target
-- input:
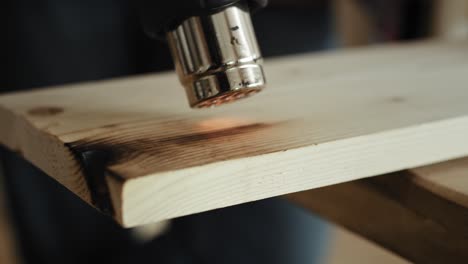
(52, 42)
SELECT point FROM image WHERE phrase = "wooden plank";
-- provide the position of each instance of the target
(448, 180)
(132, 147)
(419, 214)
(347, 247)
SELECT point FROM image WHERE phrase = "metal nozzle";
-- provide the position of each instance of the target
(217, 57)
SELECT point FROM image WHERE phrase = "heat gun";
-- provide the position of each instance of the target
(213, 44)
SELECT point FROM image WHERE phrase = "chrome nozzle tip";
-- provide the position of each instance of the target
(225, 86)
(217, 57)
(225, 98)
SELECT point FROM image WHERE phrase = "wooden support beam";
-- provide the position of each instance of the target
(133, 149)
(420, 214)
(347, 247)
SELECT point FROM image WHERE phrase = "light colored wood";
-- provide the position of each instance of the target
(348, 248)
(448, 180)
(420, 214)
(451, 19)
(324, 119)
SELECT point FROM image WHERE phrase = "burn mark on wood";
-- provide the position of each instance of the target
(45, 111)
(93, 163)
(149, 153)
(110, 126)
(191, 138)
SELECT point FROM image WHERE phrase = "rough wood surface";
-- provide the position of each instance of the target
(421, 214)
(132, 147)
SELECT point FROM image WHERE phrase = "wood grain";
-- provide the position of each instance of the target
(132, 148)
(419, 214)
